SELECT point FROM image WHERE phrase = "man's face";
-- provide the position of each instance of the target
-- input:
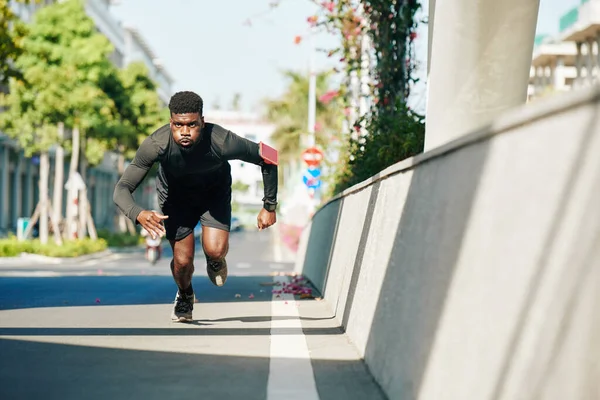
(186, 129)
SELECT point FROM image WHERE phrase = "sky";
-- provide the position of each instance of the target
(209, 47)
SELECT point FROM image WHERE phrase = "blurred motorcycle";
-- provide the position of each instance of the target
(153, 248)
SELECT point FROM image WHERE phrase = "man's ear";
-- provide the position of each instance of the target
(202, 121)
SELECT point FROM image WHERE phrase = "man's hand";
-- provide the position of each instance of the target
(152, 222)
(265, 219)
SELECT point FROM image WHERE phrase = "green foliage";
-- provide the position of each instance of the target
(140, 108)
(393, 136)
(290, 114)
(11, 247)
(12, 33)
(120, 239)
(65, 70)
(393, 131)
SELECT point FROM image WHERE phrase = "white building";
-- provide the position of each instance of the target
(137, 49)
(571, 59)
(252, 127)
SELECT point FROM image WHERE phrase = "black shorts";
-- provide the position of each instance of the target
(212, 208)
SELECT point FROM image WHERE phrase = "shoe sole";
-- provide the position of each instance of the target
(181, 319)
(220, 278)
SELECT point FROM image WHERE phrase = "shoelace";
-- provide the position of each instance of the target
(183, 305)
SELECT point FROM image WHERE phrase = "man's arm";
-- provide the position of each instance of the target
(134, 174)
(234, 147)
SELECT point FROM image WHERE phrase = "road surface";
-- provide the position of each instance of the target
(101, 329)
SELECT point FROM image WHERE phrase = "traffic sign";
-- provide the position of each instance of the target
(312, 156)
(311, 178)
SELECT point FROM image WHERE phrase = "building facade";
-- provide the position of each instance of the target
(571, 58)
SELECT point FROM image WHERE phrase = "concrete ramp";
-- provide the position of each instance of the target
(472, 271)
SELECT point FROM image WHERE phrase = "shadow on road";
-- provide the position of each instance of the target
(70, 291)
(74, 372)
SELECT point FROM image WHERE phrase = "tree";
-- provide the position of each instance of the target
(64, 65)
(145, 112)
(12, 33)
(290, 115)
(141, 113)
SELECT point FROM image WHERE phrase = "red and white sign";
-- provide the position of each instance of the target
(312, 156)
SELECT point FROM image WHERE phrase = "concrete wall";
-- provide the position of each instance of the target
(472, 271)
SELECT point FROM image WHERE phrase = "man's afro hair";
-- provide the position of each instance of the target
(186, 102)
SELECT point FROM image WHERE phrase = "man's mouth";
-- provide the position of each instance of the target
(185, 142)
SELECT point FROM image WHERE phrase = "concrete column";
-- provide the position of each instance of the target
(598, 52)
(480, 62)
(559, 74)
(542, 78)
(536, 80)
(578, 65)
(590, 61)
(430, 27)
(28, 189)
(4, 199)
(17, 190)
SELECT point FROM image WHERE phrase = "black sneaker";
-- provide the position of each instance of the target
(182, 310)
(217, 271)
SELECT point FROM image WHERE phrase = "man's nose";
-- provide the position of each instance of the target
(185, 131)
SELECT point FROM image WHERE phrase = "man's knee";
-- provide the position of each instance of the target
(183, 259)
(215, 251)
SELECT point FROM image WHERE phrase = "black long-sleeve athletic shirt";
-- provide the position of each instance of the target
(193, 171)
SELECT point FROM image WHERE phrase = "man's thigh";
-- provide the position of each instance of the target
(183, 218)
(218, 210)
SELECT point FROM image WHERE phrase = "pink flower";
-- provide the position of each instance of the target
(312, 20)
(329, 5)
(327, 97)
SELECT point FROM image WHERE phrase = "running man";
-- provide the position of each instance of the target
(193, 184)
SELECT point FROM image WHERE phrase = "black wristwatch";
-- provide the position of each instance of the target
(269, 206)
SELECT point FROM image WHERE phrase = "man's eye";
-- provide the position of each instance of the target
(192, 125)
(178, 125)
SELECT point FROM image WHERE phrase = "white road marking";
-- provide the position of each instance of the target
(276, 266)
(243, 265)
(291, 374)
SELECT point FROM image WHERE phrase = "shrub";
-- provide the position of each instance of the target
(392, 136)
(119, 239)
(11, 247)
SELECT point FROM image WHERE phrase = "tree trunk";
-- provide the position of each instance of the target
(59, 172)
(121, 169)
(70, 229)
(83, 201)
(44, 168)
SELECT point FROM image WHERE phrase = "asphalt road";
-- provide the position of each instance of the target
(101, 329)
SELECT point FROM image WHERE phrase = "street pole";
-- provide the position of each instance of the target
(312, 90)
